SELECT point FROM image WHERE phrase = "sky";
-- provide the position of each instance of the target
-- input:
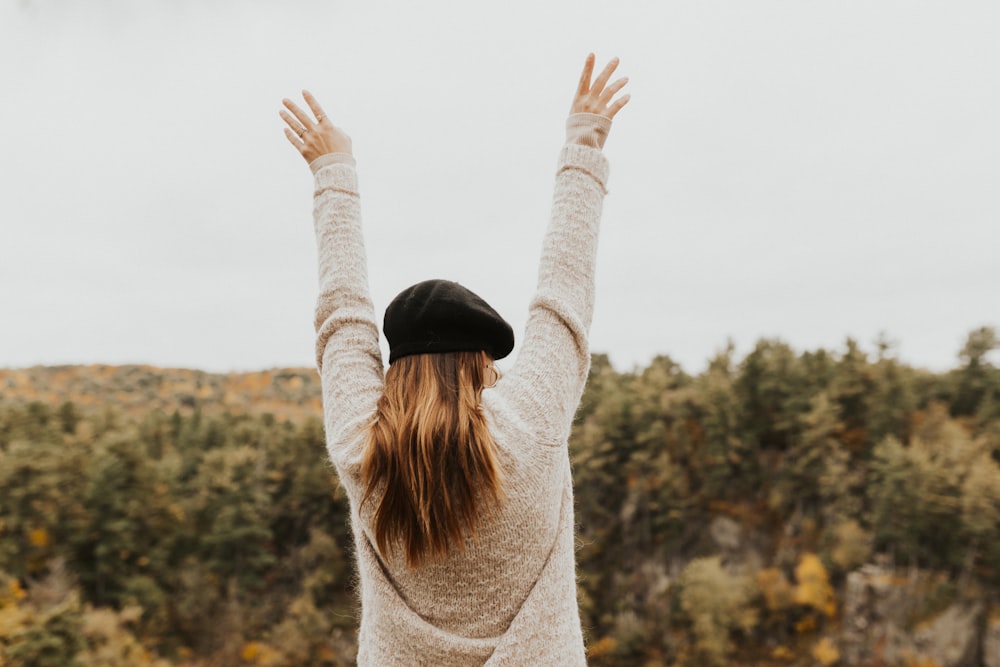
(809, 171)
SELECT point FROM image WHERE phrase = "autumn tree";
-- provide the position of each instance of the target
(716, 604)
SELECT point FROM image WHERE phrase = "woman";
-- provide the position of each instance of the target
(459, 481)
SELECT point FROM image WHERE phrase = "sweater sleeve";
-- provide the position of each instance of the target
(347, 351)
(551, 369)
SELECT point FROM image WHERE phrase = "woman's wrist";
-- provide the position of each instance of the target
(331, 158)
(587, 129)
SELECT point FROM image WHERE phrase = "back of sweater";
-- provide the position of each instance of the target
(508, 597)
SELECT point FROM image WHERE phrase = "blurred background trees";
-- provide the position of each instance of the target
(719, 513)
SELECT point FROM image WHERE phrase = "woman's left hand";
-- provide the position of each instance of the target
(599, 97)
(313, 138)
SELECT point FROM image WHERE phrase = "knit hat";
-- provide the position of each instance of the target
(443, 316)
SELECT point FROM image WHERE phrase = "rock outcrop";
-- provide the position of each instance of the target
(880, 628)
(991, 643)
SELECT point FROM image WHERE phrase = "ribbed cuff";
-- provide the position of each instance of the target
(587, 129)
(335, 175)
(331, 158)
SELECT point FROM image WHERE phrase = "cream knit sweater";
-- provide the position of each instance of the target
(508, 598)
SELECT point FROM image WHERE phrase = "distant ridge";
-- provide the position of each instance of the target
(287, 393)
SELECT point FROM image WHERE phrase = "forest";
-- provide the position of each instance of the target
(781, 508)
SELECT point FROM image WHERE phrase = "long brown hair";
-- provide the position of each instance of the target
(430, 463)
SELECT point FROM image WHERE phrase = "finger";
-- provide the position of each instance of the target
(294, 140)
(301, 115)
(588, 70)
(617, 106)
(294, 125)
(314, 106)
(610, 91)
(602, 78)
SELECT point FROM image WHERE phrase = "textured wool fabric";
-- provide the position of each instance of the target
(509, 597)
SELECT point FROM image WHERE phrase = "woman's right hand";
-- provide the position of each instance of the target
(599, 97)
(313, 138)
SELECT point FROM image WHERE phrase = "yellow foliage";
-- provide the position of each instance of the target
(12, 593)
(813, 589)
(250, 651)
(825, 652)
(782, 653)
(920, 661)
(39, 537)
(602, 647)
(326, 653)
(258, 653)
(775, 588)
(13, 620)
(806, 624)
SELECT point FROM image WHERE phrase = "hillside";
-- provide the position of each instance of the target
(287, 393)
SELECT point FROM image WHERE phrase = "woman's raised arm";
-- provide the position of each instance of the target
(347, 351)
(551, 369)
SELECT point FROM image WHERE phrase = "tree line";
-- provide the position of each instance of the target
(718, 515)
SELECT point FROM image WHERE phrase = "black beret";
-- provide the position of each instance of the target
(443, 316)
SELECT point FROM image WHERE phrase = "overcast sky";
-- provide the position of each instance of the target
(802, 170)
